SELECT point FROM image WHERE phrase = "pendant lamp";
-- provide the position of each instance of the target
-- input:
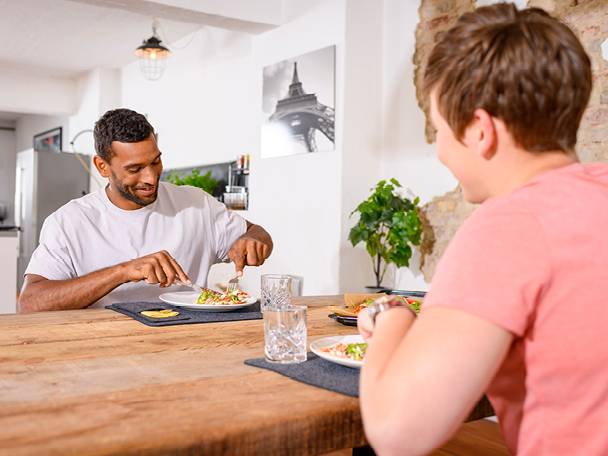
(152, 56)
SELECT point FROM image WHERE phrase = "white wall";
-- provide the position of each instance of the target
(29, 125)
(362, 137)
(98, 91)
(406, 154)
(23, 92)
(204, 107)
(299, 198)
(292, 9)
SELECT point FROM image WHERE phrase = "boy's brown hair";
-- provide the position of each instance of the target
(523, 67)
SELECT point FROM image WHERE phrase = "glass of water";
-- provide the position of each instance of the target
(278, 289)
(285, 334)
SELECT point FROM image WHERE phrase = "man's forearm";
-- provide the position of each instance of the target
(68, 294)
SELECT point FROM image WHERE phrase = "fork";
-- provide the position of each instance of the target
(232, 284)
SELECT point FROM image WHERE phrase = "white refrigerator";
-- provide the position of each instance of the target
(44, 182)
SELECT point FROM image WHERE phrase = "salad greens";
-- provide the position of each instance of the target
(415, 305)
(356, 351)
(208, 297)
(205, 295)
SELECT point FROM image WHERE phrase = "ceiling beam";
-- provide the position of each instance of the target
(242, 16)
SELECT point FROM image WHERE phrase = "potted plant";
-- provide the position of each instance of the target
(389, 225)
(195, 179)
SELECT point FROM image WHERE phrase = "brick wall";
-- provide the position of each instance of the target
(589, 20)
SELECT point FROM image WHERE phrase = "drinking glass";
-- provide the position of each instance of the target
(285, 334)
(278, 289)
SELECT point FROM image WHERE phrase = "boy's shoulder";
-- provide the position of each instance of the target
(547, 202)
(553, 189)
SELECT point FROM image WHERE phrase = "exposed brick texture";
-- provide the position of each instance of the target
(435, 16)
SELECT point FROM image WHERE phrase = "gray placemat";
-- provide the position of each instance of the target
(186, 316)
(317, 372)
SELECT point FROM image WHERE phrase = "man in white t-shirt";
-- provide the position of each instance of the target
(115, 244)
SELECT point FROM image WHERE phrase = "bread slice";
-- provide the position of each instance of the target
(351, 301)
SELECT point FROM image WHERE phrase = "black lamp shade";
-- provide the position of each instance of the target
(152, 47)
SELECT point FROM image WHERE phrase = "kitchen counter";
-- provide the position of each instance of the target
(9, 250)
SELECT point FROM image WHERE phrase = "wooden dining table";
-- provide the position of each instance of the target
(96, 382)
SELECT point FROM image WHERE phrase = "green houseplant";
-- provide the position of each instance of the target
(389, 225)
(195, 179)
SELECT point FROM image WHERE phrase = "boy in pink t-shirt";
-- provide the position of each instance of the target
(519, 301)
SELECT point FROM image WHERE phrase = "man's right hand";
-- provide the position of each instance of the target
(40, 293)
(159, 267)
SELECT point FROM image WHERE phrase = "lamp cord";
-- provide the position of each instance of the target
(172, 46)
(86, 167)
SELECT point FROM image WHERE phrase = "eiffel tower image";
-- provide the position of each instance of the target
(302, 114)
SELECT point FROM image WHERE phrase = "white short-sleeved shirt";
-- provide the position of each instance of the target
(91, 233)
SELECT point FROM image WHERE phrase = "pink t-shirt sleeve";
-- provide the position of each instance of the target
(495, 267)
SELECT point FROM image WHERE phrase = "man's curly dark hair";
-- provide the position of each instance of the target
(123, 125)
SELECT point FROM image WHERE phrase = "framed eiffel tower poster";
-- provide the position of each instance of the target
(298, 105)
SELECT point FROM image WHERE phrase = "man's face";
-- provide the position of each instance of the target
(135, 170)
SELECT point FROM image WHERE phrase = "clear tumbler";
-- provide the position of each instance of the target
(285, 334)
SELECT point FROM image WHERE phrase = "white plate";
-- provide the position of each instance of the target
(187, 300)
(326, 342)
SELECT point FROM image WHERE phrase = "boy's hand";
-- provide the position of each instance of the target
(365, 325)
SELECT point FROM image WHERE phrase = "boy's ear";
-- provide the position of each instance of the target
(484, 134)
(102, 166)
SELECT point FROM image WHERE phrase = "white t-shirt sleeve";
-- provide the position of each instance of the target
(52, 259)
(227, 226)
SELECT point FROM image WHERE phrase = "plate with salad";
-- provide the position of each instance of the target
(209, 300)
(355, 303)
(345, 350)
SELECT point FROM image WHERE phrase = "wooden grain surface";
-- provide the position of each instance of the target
(97, 382)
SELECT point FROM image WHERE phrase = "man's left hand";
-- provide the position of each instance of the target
(251, 249)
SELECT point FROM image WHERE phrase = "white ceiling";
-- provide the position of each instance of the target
(64, 38)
